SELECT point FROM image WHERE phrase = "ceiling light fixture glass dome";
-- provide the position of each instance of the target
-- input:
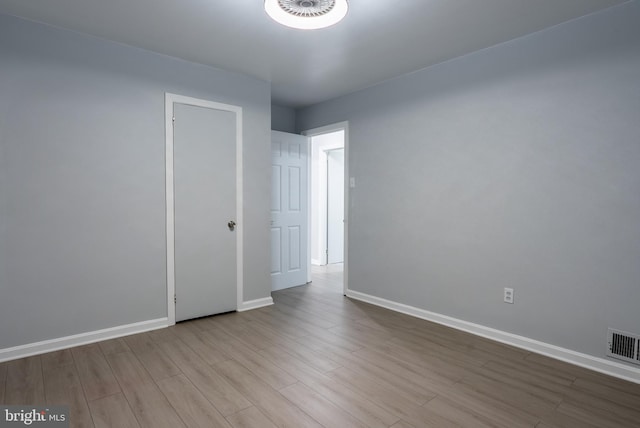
(306, 14)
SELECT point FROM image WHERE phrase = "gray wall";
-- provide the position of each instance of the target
(82, 170)
(283, 119)
(516, 166)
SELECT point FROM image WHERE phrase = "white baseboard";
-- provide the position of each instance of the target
(80, 339)
(255, 304)
(601, 365)
(57, 344)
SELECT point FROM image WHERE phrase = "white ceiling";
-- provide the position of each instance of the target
(378, 40)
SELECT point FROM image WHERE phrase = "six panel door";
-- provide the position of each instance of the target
(289, 210)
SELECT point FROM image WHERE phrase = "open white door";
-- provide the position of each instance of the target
(289, 210)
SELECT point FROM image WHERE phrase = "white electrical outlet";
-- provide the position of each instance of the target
(508, 295)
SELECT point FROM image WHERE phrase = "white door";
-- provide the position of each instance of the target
(204, 155)
(288, 210)
(335, 206)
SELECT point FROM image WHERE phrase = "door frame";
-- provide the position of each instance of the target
(170, 100)
(335, 127)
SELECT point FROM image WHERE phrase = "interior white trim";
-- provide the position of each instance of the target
(255, 304)
(601, 365)
(309, 207)
(80, 339)
(339, 126)
(170, 100)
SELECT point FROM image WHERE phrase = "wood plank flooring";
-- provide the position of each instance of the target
(316, 359)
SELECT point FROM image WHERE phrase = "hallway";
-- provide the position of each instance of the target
(329, 277)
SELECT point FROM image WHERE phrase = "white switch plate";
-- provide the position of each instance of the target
(352, 182)
(508, 295)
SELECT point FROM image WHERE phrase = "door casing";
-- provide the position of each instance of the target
(170, 100)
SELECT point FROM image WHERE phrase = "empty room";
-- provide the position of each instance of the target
(320, 213)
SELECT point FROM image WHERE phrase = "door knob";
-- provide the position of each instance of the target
(231, 225)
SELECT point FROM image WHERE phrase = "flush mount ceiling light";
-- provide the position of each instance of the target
(306, 14)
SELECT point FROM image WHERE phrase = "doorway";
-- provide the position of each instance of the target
(327, 203)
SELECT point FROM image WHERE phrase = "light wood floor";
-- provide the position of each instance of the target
(316, 359)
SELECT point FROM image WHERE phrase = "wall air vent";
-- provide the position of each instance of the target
(623, 346)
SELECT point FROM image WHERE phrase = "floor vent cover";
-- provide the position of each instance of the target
(623, 346)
